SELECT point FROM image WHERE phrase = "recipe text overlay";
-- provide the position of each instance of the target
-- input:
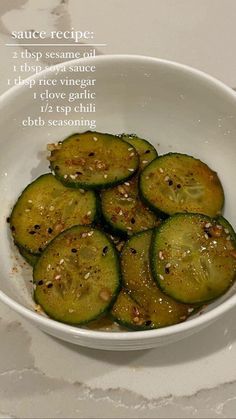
(66, 95)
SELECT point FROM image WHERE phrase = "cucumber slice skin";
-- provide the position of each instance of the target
(144, 148)
(167, 175)
(124, 212)
(34, 206)
(58, 300)
(188, 281)
(128, 313)
(30, 258)
(137, 279)
(99, 177)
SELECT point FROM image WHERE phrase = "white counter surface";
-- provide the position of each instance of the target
(42, 377)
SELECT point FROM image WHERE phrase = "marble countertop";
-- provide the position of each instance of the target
(42, 377)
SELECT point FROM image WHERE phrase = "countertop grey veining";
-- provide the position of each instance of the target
(42, 377)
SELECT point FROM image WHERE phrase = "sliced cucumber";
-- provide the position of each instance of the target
(124, 211)
(200, 256)
(160, 309)
(129, 313)
(176, 183)
(77, 277)
(145, 150)
(45, 208)
(93, 160)
(228, 228)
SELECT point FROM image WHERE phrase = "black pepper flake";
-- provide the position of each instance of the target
(40, 282)
(178, 186)
(148, 323)
(74, 250)
(40, 249)
(32, 232)
(13, 228)
(37, 226)
(8, 219)
(50, 285)
(50, 230)
(56, 167)
(91, 154)
(167, 270)
(170, 183)
(133, 250)
(104, 250)
(78, 173)
(147, 151)
(132, 220)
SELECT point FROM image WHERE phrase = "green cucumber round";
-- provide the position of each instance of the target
(93, 160)
(200, 255)
(176, 182)
(77, 278)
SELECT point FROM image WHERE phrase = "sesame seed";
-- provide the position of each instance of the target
(170, 198)
(90, 233)
(219, 227)
(57, 276)
(190, 310)
(51, 208)
(161, 277)
(161, 255)
(168, 265)
(208, 225)
(61, 261)
(129, 228)
(145, 161)
(84, 235)
(104, 295)
(131, 155)
(127, 183)
(95, 139)
(126, 195)
(90, 168)
(48, 267)
(166, 178)
(131, 170)
(89, 213)
(226, 231)
(65, 176)
(73, 177)
(161, 170)
(105, 176)
(120, 212)
(82, 190)
(206, 236)
(27, 210)
(87, 275)
(30, 201)
(130, 148)
(71, 310)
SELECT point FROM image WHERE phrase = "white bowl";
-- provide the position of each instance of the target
(176, 107)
